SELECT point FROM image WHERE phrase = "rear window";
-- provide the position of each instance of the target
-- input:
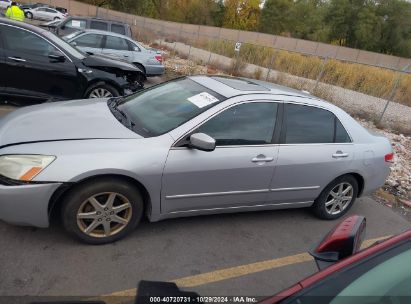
(118, 28)
(99, 25)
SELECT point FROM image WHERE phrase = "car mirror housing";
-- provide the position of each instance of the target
(57, 57)
(342, 241)
(73, 43)
(202, 142)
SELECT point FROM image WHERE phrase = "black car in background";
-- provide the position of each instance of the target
(36, 66)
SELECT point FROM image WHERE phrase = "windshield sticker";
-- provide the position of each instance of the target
(75, 23)
(203, 99)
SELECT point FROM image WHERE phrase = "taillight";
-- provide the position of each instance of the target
(389, 157)
(159, 58)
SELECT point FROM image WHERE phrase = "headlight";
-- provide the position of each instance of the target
(24, 167)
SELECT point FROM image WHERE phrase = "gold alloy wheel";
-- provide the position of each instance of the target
(104, 214)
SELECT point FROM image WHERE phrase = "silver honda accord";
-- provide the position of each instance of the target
(191, 146)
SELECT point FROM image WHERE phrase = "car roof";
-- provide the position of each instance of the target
(98, 19)
(23, 25)
(234, 86)
(105, 33)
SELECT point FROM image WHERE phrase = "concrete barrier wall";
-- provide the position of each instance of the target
(197, 32)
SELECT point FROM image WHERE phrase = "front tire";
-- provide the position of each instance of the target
(101, 90)
(103, 211)
(29, 15)
(337, 198)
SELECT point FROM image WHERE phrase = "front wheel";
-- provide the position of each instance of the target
(29, 15)
(337, 198)
(104, 211)
(101, 91)
(56, 18)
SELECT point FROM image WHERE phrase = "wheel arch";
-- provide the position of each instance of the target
(358, 177)
(56, 200)
(102, 82)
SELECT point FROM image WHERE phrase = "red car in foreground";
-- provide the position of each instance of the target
(378, 274)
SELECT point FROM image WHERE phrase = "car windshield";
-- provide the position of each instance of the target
(76, 53)
(164, 107)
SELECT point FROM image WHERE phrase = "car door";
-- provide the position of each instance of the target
(29, 69)
(90, 43)
(315, 149)
(384, 277)
(236, 174)
(117, 47)
(40, 13)
(50, 14)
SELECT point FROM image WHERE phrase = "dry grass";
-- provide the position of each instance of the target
(369, 80)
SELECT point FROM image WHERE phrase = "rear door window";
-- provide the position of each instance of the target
(118, 28)
(116, 43)
(99, 25)
(307, 124)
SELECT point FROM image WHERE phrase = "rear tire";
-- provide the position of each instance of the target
(29, 15)
(108, 222)
(337, 198)
(101, 90)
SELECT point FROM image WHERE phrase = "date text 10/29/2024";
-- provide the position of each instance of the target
(204, 299)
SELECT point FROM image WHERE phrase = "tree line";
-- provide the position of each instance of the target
(376, 25)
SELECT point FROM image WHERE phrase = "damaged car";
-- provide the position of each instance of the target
(37, 66)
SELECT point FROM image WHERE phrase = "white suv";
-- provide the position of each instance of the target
(4, 4)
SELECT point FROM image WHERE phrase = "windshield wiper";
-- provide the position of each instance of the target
(123, 117)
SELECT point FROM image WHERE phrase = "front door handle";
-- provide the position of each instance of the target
(340, 154)
(262, 158)
(18, 59)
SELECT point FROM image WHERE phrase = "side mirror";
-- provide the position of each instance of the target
(57, 57)
(341, 242)
(202, 142)
(73, 43)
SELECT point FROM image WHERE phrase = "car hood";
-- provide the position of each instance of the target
(101, 61)
(70, 120)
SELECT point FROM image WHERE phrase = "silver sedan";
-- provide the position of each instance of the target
(192, 146)
(120, 47)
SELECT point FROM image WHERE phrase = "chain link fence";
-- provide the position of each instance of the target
(368, 84)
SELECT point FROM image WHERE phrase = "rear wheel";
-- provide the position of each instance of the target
(29, 15)
(101, 91)
(337, 198)
(56, 18)
(102, 212)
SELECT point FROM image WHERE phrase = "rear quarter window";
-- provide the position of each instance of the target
(118, 28)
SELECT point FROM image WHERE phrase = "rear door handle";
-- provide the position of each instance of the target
(262, 158)
(17, 59)
(340, 154)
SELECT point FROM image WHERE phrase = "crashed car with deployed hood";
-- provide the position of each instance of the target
(39, 66)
